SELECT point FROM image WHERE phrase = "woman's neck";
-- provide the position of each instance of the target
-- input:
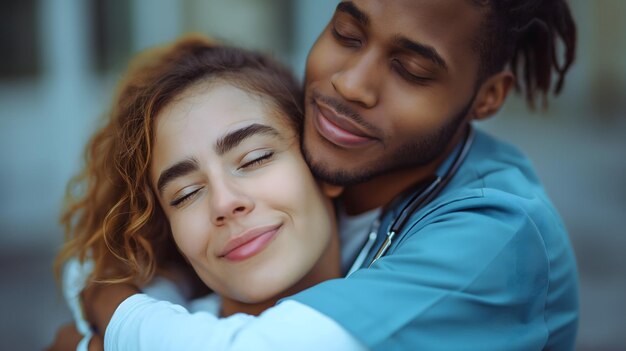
(230, 307)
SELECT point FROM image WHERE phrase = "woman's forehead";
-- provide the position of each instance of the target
(206, 113)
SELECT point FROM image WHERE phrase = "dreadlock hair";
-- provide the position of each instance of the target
(525, 35)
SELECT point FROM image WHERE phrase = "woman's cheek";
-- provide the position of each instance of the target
(189, 238)
(290, 185)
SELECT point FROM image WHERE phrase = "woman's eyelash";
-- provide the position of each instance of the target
(178, 202)
(258, 160)
(183, 199)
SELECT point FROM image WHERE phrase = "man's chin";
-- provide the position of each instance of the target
(335, 170)
(342, 177)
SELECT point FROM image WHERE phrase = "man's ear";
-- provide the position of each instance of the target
(332, 191)
(492, 94)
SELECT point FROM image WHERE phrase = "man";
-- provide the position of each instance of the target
(484, 263)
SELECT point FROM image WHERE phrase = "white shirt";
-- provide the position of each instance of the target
(352, 233)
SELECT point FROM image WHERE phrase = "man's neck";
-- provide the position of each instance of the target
(381, 190)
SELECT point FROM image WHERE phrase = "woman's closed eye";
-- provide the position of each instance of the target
(250, 161)
(256, 158)
(185, 197)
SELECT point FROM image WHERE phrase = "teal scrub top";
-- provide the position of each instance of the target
(487, 265)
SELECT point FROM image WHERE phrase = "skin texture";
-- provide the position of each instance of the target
(262, 182)
(411, 107)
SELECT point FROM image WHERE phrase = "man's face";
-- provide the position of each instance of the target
(388, 84)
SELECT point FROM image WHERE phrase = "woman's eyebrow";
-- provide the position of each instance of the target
(177, 170)
(230, 140)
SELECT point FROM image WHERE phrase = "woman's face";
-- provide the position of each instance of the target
(242, 204)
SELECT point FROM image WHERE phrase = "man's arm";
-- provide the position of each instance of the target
(475, 274)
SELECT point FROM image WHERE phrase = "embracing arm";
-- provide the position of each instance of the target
(134, 321)
(477, 275)
(142, 323)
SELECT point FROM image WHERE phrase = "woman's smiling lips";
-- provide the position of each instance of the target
(338, 129)
(249, 243)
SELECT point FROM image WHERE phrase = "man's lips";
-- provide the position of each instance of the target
(249, 243)
(338, 129)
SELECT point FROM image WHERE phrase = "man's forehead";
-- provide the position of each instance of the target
(409, 10)
(439, 23)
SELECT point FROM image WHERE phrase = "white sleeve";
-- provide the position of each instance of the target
(74, 277)
(142, 323)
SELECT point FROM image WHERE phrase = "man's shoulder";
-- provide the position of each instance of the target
(496, 172)
(497, 182)
(496, 162)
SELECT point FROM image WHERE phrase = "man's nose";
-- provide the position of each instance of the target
(359, 81)
(229, 201)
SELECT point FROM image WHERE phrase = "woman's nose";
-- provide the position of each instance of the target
(358, 81)
(228, 202)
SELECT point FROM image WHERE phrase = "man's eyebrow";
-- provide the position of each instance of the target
(426, 51)
(350, 8)
(236, 137)
(179, 169)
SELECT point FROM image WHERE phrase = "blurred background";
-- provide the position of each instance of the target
(60, 60)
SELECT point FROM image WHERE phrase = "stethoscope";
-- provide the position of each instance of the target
(420, 199)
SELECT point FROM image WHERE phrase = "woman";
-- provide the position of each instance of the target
(202, 146)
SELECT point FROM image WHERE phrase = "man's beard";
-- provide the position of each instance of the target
(413, 154)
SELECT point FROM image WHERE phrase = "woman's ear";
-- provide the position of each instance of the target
(492, 94)
(332, 191)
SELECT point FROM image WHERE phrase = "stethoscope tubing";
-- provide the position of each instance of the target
(425, 196)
